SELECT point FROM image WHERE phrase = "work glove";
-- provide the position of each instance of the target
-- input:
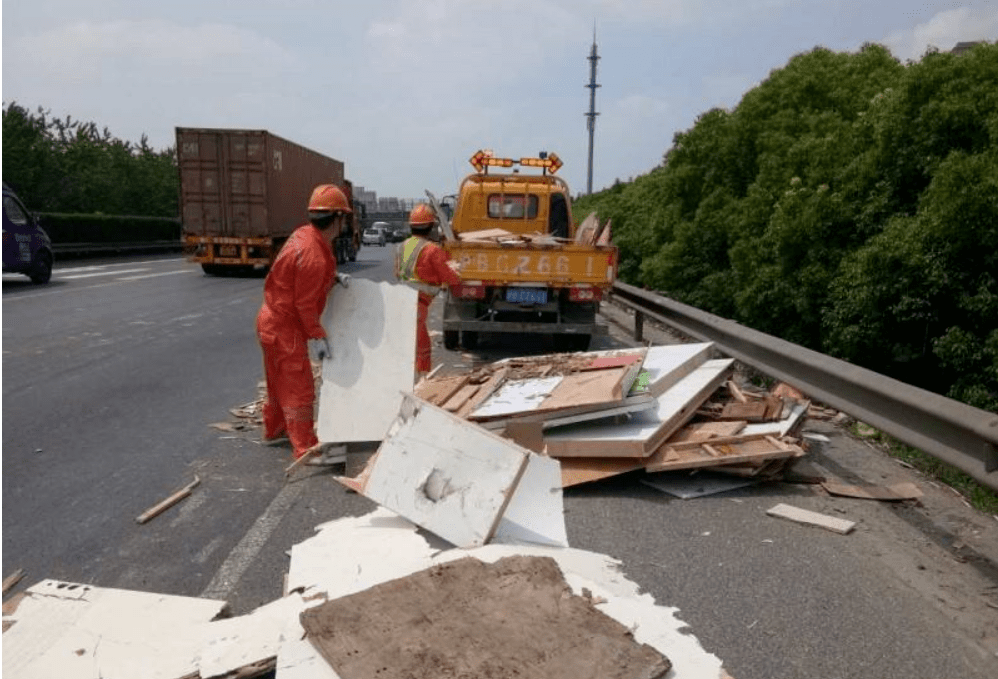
(319, 349)
(343, 279)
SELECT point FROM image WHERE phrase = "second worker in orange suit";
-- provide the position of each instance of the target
(425, 266)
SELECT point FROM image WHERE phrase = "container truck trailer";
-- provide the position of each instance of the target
(242, 193)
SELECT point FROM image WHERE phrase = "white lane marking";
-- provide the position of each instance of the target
(97, 273)
(242, 555)
(154, 275)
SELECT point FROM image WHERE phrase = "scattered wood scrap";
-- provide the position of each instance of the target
(893, 493)
(165, 504)
(810, 518)
(11, 580)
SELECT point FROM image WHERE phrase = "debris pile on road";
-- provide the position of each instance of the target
(606, 413)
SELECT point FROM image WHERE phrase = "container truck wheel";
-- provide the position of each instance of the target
(469, 339)
(450, 339)
(213, 269)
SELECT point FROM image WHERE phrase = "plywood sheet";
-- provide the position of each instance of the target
(643, 433)
(587, 388)
(444, 473)
(372, 330)
(71, 631)
(438, 390)
(578, 470)
(516, 617)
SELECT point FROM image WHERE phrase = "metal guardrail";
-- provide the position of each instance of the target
(959, 434)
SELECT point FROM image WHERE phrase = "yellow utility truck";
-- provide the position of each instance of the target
(525, 266)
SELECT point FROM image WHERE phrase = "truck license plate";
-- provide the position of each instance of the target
(527, 295)
(228, 251)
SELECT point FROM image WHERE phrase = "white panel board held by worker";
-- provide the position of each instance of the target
(372, 331)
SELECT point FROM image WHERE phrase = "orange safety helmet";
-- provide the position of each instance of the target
(422, 216)
(328, 198)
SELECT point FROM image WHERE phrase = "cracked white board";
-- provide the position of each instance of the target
(70, 631)
(457, 480)
(372, 331)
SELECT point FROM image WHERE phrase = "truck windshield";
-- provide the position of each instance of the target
(512, 206)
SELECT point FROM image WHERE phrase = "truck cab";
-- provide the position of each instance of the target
(524, 267)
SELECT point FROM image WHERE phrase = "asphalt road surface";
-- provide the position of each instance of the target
(114, 371)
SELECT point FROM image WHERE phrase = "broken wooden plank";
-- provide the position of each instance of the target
(810, 518)
(461, 397)
(720, 451)
(165, 504)
(702, 431)
(11, 580)
(644, 432)
(438, 390)
(751, 411)
(517, 616)
(895, 492)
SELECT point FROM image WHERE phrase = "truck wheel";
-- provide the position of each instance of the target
(450, 340)
(469, 339)
(213, 269)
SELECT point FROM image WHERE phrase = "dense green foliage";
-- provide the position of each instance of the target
(849, 203)
(69, 166)
(108, 229)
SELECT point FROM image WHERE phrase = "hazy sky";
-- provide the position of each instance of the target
(405, 91)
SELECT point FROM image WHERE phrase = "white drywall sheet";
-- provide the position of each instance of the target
(668, 364)
(71, 631)
(444, 473)
(536, 514)
(639, 436)
(372, 330)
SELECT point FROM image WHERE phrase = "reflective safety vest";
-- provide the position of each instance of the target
(406, 257)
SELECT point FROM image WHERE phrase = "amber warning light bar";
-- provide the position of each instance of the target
(484, 159)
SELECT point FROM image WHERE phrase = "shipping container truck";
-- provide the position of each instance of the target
(525, 266)
(242, 193)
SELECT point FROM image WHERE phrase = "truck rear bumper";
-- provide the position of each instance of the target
(228, 250)
(520, 327)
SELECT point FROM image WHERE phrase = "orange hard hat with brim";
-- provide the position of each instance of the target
(328, 198)
(422, 215)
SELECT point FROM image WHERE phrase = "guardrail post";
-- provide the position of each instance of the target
(639, 326)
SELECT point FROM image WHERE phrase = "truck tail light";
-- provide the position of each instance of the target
(584, 294)
(468, 290)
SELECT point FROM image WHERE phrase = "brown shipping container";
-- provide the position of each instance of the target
(247, 183)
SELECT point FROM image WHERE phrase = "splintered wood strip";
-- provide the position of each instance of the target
(484, 391)
(805, 516)
(438, 390)
(774, 407)
(713, 452)
(516, 617)
(457, 401)
(898, 491)
(736, 392)
(578, 470)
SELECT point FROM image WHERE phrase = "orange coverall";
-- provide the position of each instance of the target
(432, 269)
(294, 297)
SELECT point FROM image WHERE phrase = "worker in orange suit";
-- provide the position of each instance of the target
(288, 324)
(425, 266)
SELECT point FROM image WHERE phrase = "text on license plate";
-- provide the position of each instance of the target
(228, 251)
(527, 295)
